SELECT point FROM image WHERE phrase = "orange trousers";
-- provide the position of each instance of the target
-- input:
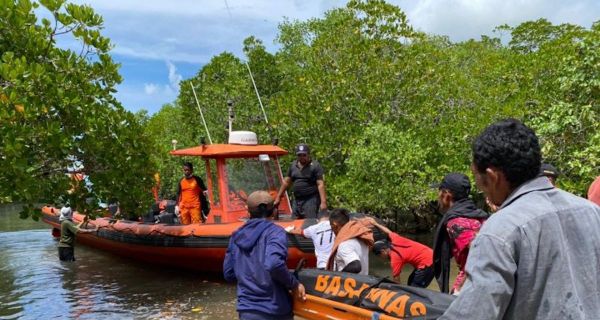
(189, 215)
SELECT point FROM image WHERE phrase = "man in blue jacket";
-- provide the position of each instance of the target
(256, 258)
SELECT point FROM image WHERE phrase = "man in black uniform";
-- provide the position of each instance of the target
(308, 185)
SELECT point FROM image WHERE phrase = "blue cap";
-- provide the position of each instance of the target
(302, 148)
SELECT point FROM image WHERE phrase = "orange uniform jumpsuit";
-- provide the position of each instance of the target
(190, 192)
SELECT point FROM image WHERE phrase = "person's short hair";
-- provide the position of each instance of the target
(379, 245)
(340, 216)
(323, 214)
(510, 146)
(188, 165)
(260, 204)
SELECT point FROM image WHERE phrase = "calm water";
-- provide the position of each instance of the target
(34, 284)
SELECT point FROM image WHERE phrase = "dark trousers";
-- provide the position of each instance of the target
(305, 208)
(66, 253)
(257, 315)
(421, 277)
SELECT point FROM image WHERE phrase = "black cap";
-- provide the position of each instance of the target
(380, 245)
(549, 170)
(457, 183)
(302, 148)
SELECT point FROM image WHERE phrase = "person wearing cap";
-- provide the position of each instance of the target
(68, 231)
(549, 171)
(322, 237)
(537, 257)
(256, 259)
(306, 177)
(400, 251)
(457, 229)
(192, 205)
(353, 238)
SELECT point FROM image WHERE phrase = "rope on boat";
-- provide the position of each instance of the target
(131, 231)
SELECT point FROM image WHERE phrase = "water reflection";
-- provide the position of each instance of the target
(34, 284)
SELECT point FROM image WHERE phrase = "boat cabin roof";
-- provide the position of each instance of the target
(230, 151)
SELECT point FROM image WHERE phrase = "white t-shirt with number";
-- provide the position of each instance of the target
(322, 238)
(352, 250)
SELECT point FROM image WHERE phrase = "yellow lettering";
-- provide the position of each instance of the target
(334, 286)
(373, 295)
(397, 306)
(359, 291)
(386, 296)
(321, 283)
(349, 285)
(418, 309)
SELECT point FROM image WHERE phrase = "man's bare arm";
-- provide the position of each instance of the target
(286, 183)
(322, 194)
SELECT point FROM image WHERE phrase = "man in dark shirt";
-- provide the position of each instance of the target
(459, 225)
(308, 184)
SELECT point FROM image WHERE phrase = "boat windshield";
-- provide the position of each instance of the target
(248, 175)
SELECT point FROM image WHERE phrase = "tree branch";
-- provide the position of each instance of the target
(51, 34)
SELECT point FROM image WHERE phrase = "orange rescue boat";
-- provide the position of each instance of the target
(233, 171)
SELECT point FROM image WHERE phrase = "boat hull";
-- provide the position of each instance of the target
(196, 247)
(340, 295)
(316, 308)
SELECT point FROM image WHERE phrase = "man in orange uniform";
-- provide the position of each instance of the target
(191, 197)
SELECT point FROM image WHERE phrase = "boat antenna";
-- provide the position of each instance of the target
(269, 130)
(230, 112)
(201, 114)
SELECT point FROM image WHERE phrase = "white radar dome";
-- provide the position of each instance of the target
(243, 137)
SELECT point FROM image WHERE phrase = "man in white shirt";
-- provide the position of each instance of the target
(322, 237)
(350, 252)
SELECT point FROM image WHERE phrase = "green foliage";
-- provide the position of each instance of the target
(57, 114)
(389, 110)
(364, 187)
(224, 79)
(165, 127)
(570, 127)
(340, 75)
